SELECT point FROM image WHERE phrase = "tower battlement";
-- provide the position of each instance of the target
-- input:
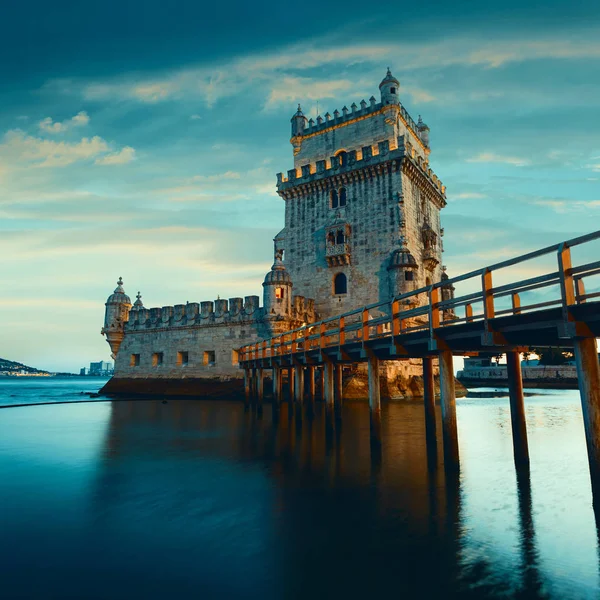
(354, 160)
(347, 116)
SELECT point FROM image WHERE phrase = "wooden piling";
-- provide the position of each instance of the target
(247, 382)
(429, 402)
(588, 375)
(260, 390)
(312, 373)
(298, 389)
(328, 393)
(374, 399)
(339, 395)
(448, 402)
(517, 409)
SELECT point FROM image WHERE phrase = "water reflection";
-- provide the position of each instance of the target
(213, 499)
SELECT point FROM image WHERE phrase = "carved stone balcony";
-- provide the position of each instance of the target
(338, 254)
(430, 259)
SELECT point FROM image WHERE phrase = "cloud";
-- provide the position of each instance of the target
(122, 157)
(569, 206)
(195, 117)
(467, 196)
(290, 89)
(17, 146)
(49, 126)
(491, 157)
(282, 73)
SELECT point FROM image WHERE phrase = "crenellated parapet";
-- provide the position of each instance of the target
(355, 114)
(213, 313)
(355, 164)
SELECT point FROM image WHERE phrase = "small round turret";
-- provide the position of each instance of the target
(277, 292)
(116, 315)
(299, 122)
(389, 88)
(423, 132)
(402, 269)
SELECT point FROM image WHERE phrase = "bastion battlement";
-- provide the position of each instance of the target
(217, 312)
(368, 156)
(321, 125)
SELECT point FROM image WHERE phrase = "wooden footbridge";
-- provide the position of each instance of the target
(500, 312)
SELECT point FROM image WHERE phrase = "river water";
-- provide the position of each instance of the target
(145, 499)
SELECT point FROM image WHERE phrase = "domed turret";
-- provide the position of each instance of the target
(116, 315)
(423, 131)
(277, 292)
(402, 271)
(298, 122)
(389, 88)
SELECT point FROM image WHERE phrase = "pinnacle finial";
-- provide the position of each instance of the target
(138, 295)
(388, 71)
(120, 282)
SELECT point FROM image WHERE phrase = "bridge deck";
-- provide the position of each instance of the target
(420, 323)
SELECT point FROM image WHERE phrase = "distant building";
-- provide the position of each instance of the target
(82, 371)
(101, 368)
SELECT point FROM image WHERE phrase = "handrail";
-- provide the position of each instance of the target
(360, 324)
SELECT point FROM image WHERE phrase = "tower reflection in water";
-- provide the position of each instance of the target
(226, 500)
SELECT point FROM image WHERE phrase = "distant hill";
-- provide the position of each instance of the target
(10, 367)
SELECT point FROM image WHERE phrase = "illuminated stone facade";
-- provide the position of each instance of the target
(362, 223)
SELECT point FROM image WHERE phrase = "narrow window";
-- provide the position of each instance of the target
(157, 359)
(209, 357)
(343, 197)
(279, 292)
(234, 357)
(340, 284)
(393, 90)
(331, 238)
(183, 358)
(428, 281)
(409, 275)
(343, 158)
(334, 199)
(135, 360)
(340, 238)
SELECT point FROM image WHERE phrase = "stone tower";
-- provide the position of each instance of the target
(362, 205)
(116, 315)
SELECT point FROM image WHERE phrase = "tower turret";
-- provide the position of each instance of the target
(116, 315)
(423, 131)
(277, 292)
(299, 122)
(402, 271)
(389, 88)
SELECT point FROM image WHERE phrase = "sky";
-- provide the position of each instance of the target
(142, 139)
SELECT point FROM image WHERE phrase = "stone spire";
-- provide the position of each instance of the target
(138, 304)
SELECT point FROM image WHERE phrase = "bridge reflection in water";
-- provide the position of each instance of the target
(301, 512)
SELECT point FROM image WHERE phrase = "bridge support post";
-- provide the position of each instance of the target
(247, 382)
(339, 395)
(448, 402)
(429, 402)
(328, 394)
(588, 375)
(276, 388)
(312, 372)
(374, 399)
(291, 381)
(517, 409)
(299, 389)
(260, 390)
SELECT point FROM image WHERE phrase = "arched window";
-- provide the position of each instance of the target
(340, 238)
(279, 293)
(334, 199)
(343, 158)
(340, 284)
(342, 196)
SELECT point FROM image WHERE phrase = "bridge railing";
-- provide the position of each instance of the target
(425, 310)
